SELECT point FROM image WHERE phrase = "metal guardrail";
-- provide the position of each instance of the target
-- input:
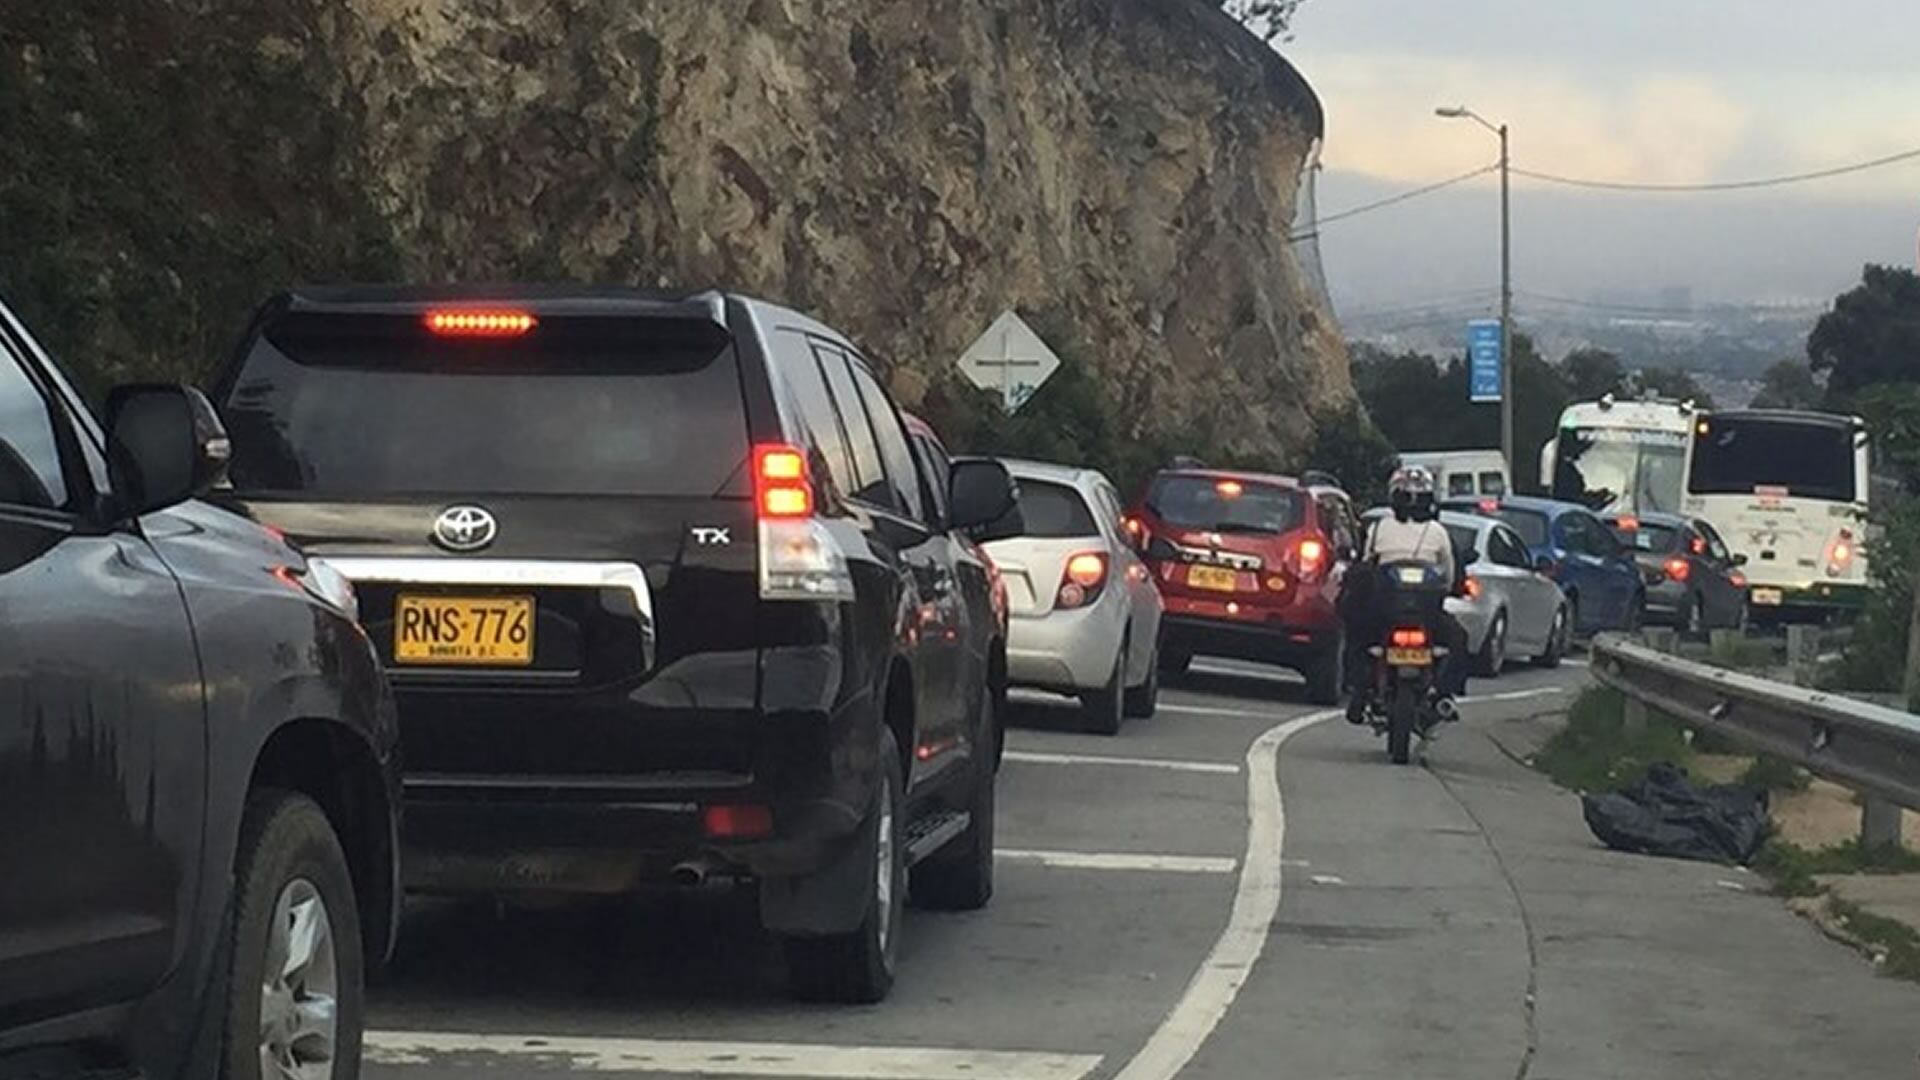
(1870, 748)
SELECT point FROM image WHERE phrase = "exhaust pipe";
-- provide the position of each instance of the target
(691, 874)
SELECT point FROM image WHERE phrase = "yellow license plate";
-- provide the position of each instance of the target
(1769, 597)
(1410, 657)
(1212, 577)
(479, 631)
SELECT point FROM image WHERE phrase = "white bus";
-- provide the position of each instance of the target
(1789, 491)
(1619, 457)
(1463, 472)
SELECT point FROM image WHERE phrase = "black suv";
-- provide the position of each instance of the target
(664, 590)
(198, 757)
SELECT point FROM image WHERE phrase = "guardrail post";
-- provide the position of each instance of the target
(1634, 719)
(1664, 638)
(1803, 652)
(1880, 824)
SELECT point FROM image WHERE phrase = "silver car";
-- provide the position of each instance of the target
(1511, 609)
(1085, 613)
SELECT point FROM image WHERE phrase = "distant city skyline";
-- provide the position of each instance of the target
(1635, 90)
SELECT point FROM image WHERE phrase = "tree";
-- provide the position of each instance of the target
(1670, 383)
(1593, 373)
(1271, 19)
(1892, 413)
(1348, 445)
(1872, 335)
(1789, 384)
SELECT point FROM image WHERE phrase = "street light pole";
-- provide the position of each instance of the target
(1461, 112)
(1506, 310)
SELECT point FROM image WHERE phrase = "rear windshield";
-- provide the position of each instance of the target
(585, 407)
(1653, 539)
(1227, 506)
(1054, 511)
(1530, 524)
(1735, 455)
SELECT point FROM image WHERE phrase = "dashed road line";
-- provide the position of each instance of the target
(519, 1055)
(1032, 757)
(1256, 901)
(1103, 860)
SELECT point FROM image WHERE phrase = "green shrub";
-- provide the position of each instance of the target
(1774, 774)
(1596, 752)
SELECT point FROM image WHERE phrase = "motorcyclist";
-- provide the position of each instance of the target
(1412, 533)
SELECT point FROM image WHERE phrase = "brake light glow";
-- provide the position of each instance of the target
(780, 482)
(1840, 554)
(1311, 557)
(1229, 489)
(1739, 579)
(1080, 583)
(1488, 506)
(1627, 524)
(1474, 588)
(1409, 637)
(734, 822)
(1698, 545)
(1678, 569)
(478, 323)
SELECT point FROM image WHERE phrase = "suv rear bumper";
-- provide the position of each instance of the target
(602, 836)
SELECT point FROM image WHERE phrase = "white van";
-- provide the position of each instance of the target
(1460, 473)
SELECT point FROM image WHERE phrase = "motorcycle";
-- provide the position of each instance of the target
(1403, 701)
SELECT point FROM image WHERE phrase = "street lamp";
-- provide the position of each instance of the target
(1461, 112)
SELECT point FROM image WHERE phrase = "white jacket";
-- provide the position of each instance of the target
(1393, 540)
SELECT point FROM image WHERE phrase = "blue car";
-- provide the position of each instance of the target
(1604, 588)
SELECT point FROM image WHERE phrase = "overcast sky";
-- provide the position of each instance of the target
(1675, 91)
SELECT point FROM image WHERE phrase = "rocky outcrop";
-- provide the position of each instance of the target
(1122, 171)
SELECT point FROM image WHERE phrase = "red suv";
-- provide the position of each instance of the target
(1249, 565)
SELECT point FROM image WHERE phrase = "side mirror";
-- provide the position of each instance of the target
(167, 445)
(984, 501)
(1739, 560)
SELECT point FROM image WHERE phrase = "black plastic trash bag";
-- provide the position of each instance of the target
(1667, 814)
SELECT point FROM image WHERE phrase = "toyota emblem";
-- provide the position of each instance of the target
(464, 528)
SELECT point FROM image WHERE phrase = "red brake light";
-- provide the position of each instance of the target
(1488, 506)
(1627, 523)
(1678, 569)
(1697, 545)
(478, 323)
(1080, 584)
(742, 821)
(780, 482)
(1474, 588)
(1739, 579)
(1229, 489)
(1312, 556)
(1409, 637)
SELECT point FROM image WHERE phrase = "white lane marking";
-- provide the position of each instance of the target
(1246, 670)
(1031, 757)
(1518, 695)
(1205, 710)
(1327, 879)
(1104, 860)
(1573, 661)
(727, 1059)
(1255, 902)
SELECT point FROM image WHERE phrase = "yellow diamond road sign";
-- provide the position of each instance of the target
(1009, 360)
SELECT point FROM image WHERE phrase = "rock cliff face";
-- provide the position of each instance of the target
(1121, 171)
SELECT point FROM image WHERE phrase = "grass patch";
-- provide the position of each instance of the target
(1596, 752)
(1773, 774)
(1895, 944)
(1793, 869)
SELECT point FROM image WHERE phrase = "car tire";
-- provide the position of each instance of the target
(1144, 700)
(857, 968)
(292, 893)
(959, 877)
(1557, 637)
(1326, 674)
(1492, 656)
(1101, 710)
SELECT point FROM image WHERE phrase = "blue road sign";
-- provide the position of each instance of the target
(1484, 360)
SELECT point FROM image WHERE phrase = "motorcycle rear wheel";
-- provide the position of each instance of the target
(1400, 712)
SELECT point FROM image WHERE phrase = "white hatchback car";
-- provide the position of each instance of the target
(1085, 613)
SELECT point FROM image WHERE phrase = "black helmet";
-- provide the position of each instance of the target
(1410, 492)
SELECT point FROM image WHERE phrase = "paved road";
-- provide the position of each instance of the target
(1451, 920)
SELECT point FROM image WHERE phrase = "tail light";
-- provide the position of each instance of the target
(1080, 585)
(744, 821)
(1489, 506)
(1698, 545)
(1409, 637)
(1678, 569)
(799, 558)
(1840, 554)
(1472, 589)
(1739, 579)
(475, 323)
(1310, 557)
(1627, 523)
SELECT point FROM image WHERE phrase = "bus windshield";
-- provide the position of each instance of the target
(1803, 459)
(1620, 470)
